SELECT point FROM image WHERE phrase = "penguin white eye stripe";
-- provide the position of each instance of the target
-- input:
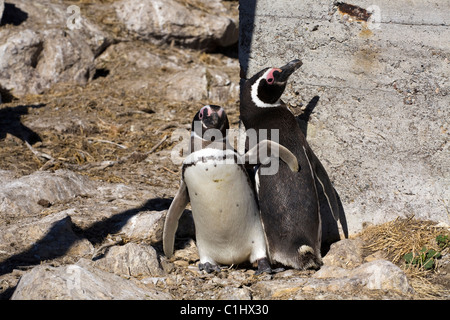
(254, 93)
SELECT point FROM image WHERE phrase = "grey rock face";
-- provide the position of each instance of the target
(2, 7)
(380, 126)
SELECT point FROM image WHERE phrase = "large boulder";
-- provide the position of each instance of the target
(374, 275)
(32, 61)
(204, 26)
(36, 53)
(30, 194)
(80, 281)
(131, 259)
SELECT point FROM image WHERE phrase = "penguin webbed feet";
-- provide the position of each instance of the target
(264, 267)
(208, 267)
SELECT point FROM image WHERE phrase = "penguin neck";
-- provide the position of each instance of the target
(198, 143)
(250, 112)
(254, 93)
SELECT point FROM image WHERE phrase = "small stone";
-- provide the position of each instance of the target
(346, 253)
(44, 203)
(131, 259)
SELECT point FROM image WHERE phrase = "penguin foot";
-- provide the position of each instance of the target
(208, 267)
(263, 266)
(307, 259)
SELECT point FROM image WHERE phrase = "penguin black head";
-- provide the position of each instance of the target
(210, 123)
(267, 86)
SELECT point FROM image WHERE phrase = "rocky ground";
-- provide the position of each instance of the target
(87, 144)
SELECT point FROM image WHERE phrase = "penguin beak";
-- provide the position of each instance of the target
(288, 69)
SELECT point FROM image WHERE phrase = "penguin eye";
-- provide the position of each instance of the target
(270, 80)
(200, 115)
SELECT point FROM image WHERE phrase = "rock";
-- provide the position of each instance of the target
(65, 57)
(386, 154)
(32, 62)
(383, 275)
(201, 84)
(48, 238)
(37, 53)
(169, 20)
(346, 253)
(333, 282)
(378, 274)
(189, 252)
(220, 87)
(148, 226)
(189, 85)
(18, 59)
(2, 7)
(80, 282)
(142, 56)
(229, 293)
(57, 17)
(272, 289)
(330, 271)
(131, 259)
(21, 196)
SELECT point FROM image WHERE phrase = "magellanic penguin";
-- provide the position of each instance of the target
(214, 180)
(288, 200)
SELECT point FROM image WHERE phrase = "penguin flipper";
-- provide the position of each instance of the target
(267, 148)
(173, 215)
(321, 175)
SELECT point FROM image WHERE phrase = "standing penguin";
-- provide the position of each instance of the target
(214, 179)
(288, 200)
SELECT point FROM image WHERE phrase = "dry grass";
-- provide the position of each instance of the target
(404, 235)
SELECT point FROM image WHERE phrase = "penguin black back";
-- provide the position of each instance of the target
(288, 201)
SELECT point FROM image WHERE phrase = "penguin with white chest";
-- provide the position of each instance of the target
(224, 207)
(288, 200)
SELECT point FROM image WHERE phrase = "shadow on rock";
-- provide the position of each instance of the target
(63, 235)
(10, 122)
(13, 15)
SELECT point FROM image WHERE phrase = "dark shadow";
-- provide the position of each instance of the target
(13, 15)
(6, 95)
(10, 123)
(303, 118)
(247, 9)
(100, 230)
(61, 236)
(101, 73)
(230, 51)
